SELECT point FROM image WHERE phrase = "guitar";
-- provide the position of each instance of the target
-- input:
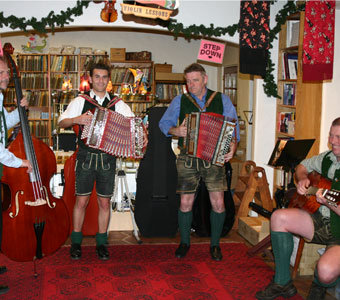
(308, 202)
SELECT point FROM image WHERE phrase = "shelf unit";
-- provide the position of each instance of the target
(121, 76)
(230, 83)
(41, 81)
(168, 85)
(298, 114)
(74, 66)
(34, 73)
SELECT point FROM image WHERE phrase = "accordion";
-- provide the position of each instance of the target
(114, 134)
(208, 136)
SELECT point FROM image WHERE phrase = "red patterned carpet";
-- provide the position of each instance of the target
(140, 272)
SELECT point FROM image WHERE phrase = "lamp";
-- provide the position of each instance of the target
(109, 86)
(67, 85)
(84, 83)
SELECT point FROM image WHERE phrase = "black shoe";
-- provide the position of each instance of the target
(102, 252)
(75, 251)
(274, 290)
(316, 292)
(182, 250)
(3, 269)
(216, 253)
(3, 289)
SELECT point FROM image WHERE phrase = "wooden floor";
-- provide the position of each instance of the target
(126, 237)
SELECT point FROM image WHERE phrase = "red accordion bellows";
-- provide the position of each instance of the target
(115, 134)
(208, 136)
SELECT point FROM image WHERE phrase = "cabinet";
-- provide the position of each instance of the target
(299, 108)
(168, 85)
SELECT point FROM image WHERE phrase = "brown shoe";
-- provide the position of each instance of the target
(316, 292)
(215, 252)
(274, 290)
(102, 252)
(182, 250)
(75, 251)
(3, 289)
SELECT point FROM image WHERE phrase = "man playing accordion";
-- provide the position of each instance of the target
(93, 164)
(191, 169)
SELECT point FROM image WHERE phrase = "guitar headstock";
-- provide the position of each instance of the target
(332, 196)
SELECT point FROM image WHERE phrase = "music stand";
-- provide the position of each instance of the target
(287, 154)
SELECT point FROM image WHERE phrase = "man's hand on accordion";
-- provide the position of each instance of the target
(83, 119)
(180, 131)
(230, 154)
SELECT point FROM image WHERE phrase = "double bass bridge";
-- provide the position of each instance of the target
(37, 202)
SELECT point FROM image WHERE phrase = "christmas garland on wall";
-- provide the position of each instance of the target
(65, 17)
(269, 85)
(51, 21)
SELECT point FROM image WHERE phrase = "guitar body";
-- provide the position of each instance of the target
(309, 202)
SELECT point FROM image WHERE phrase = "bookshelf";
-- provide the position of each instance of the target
(122, 79)
(168, 85)
(34, 73)
(42, 76)
(298, 113)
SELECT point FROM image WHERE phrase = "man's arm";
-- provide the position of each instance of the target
(168, 122)
(73, 114)
(301, 177)
(80, 120)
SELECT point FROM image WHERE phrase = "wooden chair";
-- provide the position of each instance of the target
(252, 185)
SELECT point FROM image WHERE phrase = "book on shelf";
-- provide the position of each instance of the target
(289, 93)
(286, 122)
(292, 65)
(289, 63)
(293, 27)
(168, 91)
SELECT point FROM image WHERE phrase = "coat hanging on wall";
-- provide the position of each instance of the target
(254, 37)
(318, 41)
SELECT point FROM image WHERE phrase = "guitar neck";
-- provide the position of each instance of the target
(312, 190)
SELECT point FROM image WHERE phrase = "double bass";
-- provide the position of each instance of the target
(35, 224)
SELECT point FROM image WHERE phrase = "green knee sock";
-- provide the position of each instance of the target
(184, 223)
(283, 245)
(76, 237)
(318, 282)
(101, 238)
(217, 222)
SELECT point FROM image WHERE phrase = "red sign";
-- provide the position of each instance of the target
(211, 51)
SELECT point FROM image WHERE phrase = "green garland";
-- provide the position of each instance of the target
(52, 20)
(269, 85)
(65, 17)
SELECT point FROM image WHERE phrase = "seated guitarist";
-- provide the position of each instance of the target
(321, 227)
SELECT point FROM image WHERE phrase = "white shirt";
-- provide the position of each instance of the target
(7, 158)
(75, 108)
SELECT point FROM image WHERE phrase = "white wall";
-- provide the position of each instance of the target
(221, 13)
(265, 113)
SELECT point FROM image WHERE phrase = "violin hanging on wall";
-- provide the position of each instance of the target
(109, 13)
